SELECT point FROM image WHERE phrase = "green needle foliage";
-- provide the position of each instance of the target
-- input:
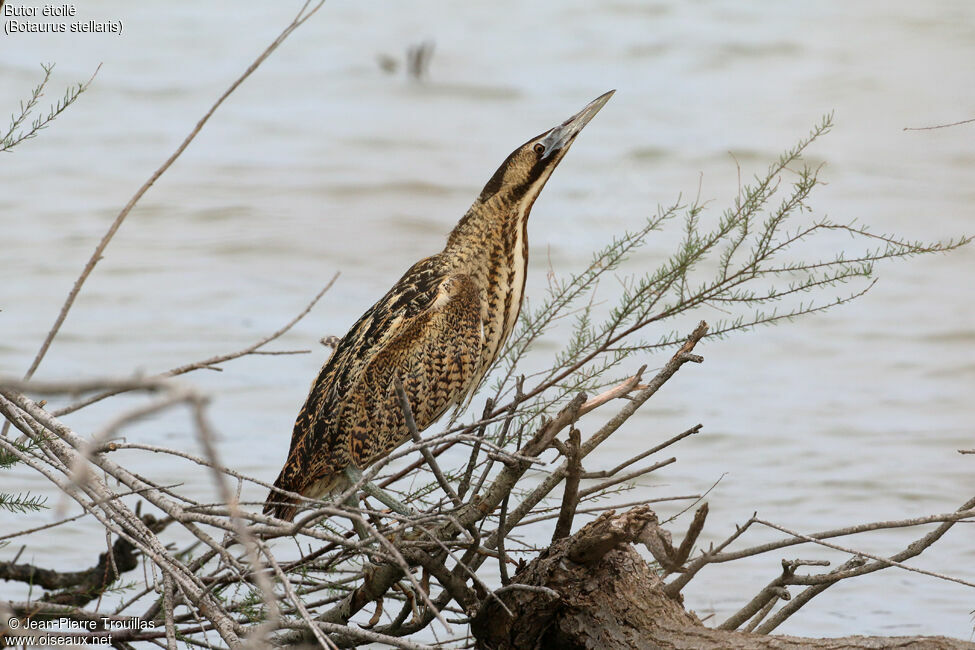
(22, 503)
(25, 502)
(18, 132)
(759, 262)
(750, 266)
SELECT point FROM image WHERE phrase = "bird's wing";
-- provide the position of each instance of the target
(319, 444)
(435, 354)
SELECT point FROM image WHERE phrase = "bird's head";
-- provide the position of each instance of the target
(523, 174)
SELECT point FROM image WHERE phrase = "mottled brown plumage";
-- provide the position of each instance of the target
(438, 329)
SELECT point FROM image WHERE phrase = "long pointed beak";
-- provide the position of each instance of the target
(562, 136)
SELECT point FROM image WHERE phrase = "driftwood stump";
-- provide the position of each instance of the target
(609, 598)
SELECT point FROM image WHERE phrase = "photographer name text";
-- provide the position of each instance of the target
(68, 631)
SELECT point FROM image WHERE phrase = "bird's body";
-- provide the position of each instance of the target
(438, 330)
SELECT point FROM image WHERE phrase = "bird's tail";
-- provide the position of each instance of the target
(280, 505)
(284, 506)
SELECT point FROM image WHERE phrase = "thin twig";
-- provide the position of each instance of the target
(674, 587)
(626, 477)
(404, 402)
(299, 605)
(938, 126)
(210, 363)
(304, 14)
(797, 602)
(877, 558)
(639, 457)
(682, 356)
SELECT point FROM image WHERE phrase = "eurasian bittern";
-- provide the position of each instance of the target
(438, 330)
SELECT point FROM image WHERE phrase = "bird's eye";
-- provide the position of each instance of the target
(539, 148)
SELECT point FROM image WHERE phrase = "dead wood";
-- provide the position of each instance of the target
(610, 598)
(77, 588)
